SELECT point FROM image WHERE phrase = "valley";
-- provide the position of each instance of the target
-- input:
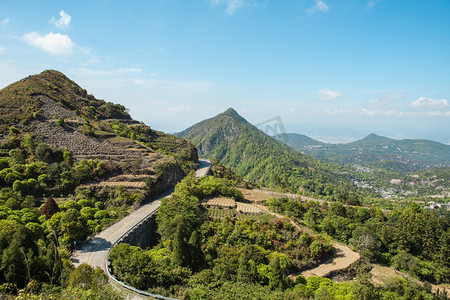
(256, 218)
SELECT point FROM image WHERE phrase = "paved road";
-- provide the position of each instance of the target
(94, 251)
(203, 170)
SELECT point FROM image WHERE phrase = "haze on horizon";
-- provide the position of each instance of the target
(327, 68)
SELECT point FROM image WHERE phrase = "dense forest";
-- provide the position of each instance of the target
(65, 160)
(37, 235)
(412, 239)
(236, 257)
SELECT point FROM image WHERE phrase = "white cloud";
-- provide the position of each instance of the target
(5, 21)
(429, 102)
(373, 112)
(231, 5)
(63, 22)
(318, 6)
(327, 94)
(129, 70)
(2, 50)
(53, 43)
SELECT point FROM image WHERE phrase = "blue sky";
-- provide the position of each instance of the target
(357, 66)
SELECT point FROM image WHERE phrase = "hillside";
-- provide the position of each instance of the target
(70, 166)
(20, 101)
(395, 155)
(250, 153)
(54, 110)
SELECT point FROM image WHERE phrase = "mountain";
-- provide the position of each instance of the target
(249, 152)
(397, 155)
(54, 110)
(21, 101)
(295, 140)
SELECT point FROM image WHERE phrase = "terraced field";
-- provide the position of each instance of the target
(221, 202)
(246, 208)
(69, 136)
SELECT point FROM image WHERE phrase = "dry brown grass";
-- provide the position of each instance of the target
(222, 202)
(254, 195)
(248, 209)
(382, 275)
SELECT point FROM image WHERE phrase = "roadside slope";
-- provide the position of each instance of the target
(94, 251)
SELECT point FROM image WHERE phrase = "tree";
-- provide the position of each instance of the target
(68, 157)
(50, 208)
(276, 280)
(19, 257)
(60, 121)
(195, 251)
(13, 131)
(86, 277)
(180, 253)
(43, 152)
(73, 226)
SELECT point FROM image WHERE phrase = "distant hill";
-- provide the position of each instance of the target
(236, 143)
(294, 140)
(395, 155)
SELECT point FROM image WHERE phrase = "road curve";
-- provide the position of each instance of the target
(343, 258)
(95, 250)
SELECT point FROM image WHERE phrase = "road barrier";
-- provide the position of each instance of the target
(124, 285)
(122, 237)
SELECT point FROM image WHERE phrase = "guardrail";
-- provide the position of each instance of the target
(119, 240)
(124, 285)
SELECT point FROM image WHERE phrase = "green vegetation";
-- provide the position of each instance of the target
(237, 144)
(203, 254)
(20, 100)
(196, 251)
(36, 234)
(412, 239)
(400, 156)
(36, 239)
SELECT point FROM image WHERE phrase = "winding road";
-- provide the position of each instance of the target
(94, 251)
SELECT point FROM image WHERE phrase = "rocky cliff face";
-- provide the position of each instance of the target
(168, 174)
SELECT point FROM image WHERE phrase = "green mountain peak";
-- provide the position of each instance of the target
(249, 152)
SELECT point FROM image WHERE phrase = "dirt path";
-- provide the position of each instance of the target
(344, 255)
(344, 258)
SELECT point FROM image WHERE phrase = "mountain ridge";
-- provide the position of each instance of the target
(418, 153)
(237, 144)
